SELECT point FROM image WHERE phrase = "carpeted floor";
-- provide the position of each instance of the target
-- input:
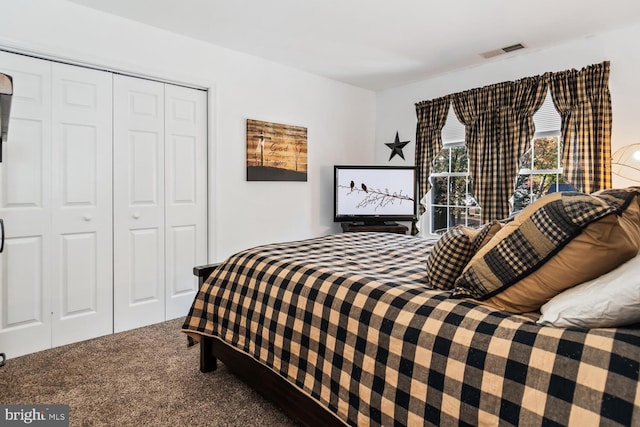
(147, 376)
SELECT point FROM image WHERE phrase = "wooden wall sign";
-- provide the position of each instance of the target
(276, 152)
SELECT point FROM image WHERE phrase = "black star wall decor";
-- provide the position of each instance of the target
(396, 147)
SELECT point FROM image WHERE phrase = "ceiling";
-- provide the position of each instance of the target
(377, 44)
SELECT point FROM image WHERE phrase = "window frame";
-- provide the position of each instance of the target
(469, 219)
(531, 171)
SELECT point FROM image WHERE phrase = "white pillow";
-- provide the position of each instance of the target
(610, 300)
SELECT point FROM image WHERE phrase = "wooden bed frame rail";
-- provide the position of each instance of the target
(296, 404)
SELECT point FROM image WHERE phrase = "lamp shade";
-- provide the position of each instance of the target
(626, 162)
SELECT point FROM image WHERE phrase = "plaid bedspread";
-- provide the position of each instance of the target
(350, 320)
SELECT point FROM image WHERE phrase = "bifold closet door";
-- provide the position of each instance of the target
(138, 195)
(25, 310)
(82, 270)
(104, 200)
(56, 267)
(160, 199)
(185, 194)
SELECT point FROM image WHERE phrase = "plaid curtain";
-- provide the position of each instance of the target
(583, 100)
(432, 116)
(499, 125)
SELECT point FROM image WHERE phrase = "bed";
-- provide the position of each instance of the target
(348, 329)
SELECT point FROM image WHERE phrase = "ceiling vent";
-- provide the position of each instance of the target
(492, 53)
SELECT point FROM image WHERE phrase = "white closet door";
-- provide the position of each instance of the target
(82, 273)
(138, 194)
(185, 195)
(25, 206)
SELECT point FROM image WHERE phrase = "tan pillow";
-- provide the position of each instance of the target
(600, 248)
(537, 236)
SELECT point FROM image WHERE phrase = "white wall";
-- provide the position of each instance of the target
(340, 119)
(396, 107)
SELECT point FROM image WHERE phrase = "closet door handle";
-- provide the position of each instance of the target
(1, 237)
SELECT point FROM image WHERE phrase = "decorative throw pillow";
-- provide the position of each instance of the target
(575, 236)
(608, 301)
(453, 251)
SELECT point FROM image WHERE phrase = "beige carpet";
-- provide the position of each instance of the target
(147, 376)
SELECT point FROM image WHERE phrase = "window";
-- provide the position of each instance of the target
(451, 196)
(452, 201)
(540, 171)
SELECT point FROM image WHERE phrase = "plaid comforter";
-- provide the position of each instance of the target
(350, 320)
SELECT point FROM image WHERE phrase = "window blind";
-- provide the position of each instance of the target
(547, 118)
(453, 130)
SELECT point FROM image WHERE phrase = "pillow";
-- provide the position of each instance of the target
(557, 242)
(453, 251)
(610, 300)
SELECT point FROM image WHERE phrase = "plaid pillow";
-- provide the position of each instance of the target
(539, 232)
(453, 251)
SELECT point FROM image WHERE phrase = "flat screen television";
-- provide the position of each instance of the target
(374, 194)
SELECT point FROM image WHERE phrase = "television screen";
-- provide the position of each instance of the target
(374, 193)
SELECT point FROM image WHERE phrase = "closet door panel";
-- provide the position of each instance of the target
(23, 168)
(184, 252)
(186, 194)
(23, 287)
(145, 153)
(82, 204)
(139, 235)
(79, 291)
(79, 146)
(25, 207)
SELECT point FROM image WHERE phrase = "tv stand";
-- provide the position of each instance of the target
(380, 227)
